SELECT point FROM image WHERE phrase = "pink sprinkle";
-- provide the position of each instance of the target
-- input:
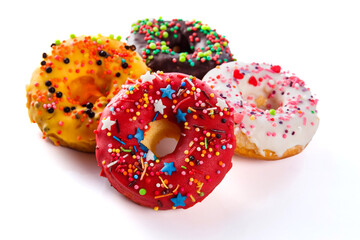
(61, 123)
(36, 84)
(274, 134)
(284, 135)
(304, 121)
(268, 134)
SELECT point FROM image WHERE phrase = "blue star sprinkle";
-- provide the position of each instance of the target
(169, 168)
(180, 116)
(139, 135)
(167, 92)
(179, 200)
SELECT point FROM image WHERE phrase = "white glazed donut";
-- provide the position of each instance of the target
(276, 114)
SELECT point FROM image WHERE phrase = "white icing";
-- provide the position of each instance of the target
(295, 120)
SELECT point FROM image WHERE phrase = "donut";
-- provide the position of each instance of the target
(74, 83)
(189, 47)
(154, 107)
(276, 114)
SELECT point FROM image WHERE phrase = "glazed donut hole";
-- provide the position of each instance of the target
(263, 98)
(162, 137)
(87, 89)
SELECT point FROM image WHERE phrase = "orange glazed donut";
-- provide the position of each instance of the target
(154, 107)
(74, 83)
(276, 114)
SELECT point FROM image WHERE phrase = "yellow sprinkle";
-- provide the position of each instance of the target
(156, 208)
(212, 95)
(252, 117)
(103, 162)
(217, 153)
(164, 116)
(192, 198)
(109, 134)
(187, 159)
(186, 152)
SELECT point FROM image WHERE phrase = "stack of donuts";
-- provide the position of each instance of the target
(170, 79)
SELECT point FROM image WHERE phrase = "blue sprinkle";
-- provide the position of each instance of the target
(223, 147)
(123, 60)
(130, 136)
(136, 176)
(118, 139)
(135, 148)
(183, 84)
(157, 113)
(112, 109)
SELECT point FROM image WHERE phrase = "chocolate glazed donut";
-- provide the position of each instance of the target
(189, 47)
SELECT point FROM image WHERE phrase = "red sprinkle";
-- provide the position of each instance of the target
(237, 74)
(253, 81)
(276, 68)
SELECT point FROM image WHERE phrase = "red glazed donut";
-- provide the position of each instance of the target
(162, 105)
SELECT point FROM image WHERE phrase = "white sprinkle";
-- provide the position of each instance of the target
(112, 164)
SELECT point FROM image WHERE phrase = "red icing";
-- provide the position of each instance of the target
(196, 176)
(253, 81)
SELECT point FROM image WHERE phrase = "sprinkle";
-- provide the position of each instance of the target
(125, 150)
(163, 182)
(117, 139)
(157, 113)
(178, 104)
(112, 163)
(142, 191)
(143, 173)
(166, 195)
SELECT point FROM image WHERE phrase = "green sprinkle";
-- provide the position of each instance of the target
(183, 167)
(205, 143)
(165, 34)
(152, 46)
(93, 38)
(99, 41)
(182, 58)
(118, 38)
(272, 112)
(111, 36)
(163, 27)
(142, 191)
(136, 28)
(149, 23)
(57, 42)
(72, 36)
(125, 150)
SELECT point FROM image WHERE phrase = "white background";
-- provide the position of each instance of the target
(50, 192)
